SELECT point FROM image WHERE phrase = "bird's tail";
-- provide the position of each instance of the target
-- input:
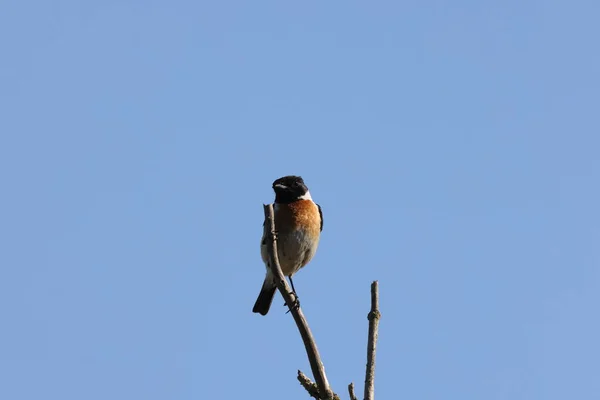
(265, 298)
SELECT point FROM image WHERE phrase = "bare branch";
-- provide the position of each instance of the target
(309, 385)
(374, 316)
(351, 392)
(316, 366)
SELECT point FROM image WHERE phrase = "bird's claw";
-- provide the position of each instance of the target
(295, 305)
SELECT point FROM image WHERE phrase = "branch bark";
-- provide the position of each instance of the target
(351, 392)
(308, 385)
(374, 316)
(316, 366)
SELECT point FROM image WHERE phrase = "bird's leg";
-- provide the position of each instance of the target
(293, 289)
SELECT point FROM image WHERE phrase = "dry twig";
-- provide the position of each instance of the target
(316, 366)
(309, 385)
(351, 392)
(374, 316)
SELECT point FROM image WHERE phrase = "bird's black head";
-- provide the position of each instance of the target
(290, 188)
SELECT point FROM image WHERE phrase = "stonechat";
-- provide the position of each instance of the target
(298, 222)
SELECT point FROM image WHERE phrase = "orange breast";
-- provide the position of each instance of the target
(301, 214)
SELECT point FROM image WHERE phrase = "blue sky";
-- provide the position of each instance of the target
(453, 147)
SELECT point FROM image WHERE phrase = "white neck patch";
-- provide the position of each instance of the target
(305, 196)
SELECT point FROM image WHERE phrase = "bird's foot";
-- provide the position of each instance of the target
(295, 305)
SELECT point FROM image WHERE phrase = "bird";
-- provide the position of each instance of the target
(299, 223)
